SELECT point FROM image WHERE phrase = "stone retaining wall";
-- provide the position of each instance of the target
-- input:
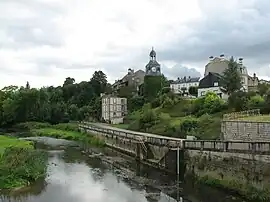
(245, 131)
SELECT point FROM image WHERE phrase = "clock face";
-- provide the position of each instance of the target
(154, 69)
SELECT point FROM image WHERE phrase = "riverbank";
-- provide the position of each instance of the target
(67, 131)
(20, 163)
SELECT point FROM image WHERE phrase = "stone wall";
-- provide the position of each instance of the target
(234, 171)
(245, 130)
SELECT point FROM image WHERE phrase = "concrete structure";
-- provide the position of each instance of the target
(132, 79)
(185, 82)
(113, 109)
(211, 83)
(244, 162)
(153, 67)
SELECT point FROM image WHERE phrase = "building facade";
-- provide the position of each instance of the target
(132, 78)
(180, 84)
(253, 82)
(211, 83)
(114, 109)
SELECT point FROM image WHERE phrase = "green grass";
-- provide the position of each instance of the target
(6, 142)
(122, 126)
(68, 135)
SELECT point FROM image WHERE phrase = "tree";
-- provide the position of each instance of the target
(231, 81)
(193, 90)
(263, 88)
(184, 89)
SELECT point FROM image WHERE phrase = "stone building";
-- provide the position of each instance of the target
(114, 109)
(130, 79)
(219, 64)
(253, 82)
(153, 67)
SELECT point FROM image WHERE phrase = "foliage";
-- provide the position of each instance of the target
(6, 142)
(68, 135)
(231, 81)
(20, 164)
(193, 90)
(263, 88)
(72, 101)
(152, 86)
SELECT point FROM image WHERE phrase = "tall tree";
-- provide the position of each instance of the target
(231, 81)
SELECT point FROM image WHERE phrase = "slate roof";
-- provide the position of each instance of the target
(186, 80)
(210, 79)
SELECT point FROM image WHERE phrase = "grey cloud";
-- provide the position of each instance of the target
(40, 29)
(179, 71)
(246, 35)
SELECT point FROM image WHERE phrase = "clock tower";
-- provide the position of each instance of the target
(153, 67)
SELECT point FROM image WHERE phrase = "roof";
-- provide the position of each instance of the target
(210, 79)
(186, 80)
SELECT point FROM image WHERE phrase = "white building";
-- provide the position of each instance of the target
(114, 109)
(184, 83)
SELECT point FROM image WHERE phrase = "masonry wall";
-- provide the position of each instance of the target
(245, 131)
(234, 171)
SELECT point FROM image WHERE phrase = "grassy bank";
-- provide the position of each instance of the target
(247, 191)
(20, 164)
(68, 131)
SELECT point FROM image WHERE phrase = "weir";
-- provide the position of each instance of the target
(222, 160)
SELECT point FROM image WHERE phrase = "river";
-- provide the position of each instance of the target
(76, 177)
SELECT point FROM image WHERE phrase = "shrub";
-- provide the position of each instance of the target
(21, 166)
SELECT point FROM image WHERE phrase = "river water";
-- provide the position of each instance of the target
(76, 177)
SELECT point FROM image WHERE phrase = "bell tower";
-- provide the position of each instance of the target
(153, 67)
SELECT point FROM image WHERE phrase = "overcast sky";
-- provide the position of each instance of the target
(45, 41)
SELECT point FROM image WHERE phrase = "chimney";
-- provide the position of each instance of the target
(254, 75)
(178, 78)
(221, 56)
(129, 70)
(240, 61)
(185, 78)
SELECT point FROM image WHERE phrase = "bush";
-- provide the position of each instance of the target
(21, 166)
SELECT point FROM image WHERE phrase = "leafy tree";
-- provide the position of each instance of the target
(231, 81)
(263, 88)
(193, 90)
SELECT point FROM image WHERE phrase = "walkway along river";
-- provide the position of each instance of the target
(74, 176)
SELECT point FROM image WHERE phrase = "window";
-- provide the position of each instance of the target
(202, 93)
(114, 100)
(215, 83)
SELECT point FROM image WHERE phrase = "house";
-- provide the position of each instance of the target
(114, 109)
(211, 83)
(253, 82)
(219, 64)
(130, 79)
(184, 83)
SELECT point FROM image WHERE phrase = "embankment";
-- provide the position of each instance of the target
(245, 174)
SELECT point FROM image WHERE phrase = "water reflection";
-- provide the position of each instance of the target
(73, 177)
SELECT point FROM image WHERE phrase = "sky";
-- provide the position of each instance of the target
(45, 41)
